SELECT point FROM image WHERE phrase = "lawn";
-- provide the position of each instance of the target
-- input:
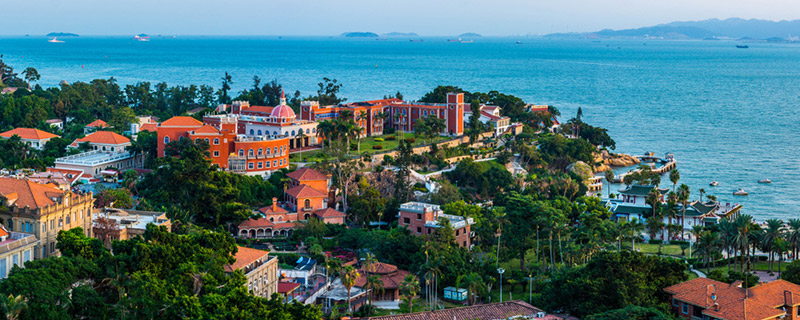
(758, 266)
(366, 146)
(668, 249)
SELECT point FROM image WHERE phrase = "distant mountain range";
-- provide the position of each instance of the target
(360, 35)
(733, 28)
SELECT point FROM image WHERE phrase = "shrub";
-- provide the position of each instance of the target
(353, 146)
(390, 138)
(654, 241)
(410, 140)
(378, 139)
(388, 131)
(377, 147)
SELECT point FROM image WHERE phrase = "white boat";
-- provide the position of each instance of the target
(55, 40)
(765, 181)
(713, 183)
(740, 192)
(141, 37)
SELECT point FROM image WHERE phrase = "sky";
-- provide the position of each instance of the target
(332, 17)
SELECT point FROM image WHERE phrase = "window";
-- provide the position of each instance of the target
(68, 219)
(206, 140)
(260, 152)
(307, 203)
(308, 131)
(259, 133)
(419, 230)
(250, 153)
(267, 164)
(166, 140)
(15, 260)
(675, 303)
(241, 152)
(457, 232)
(419, 216)
(252, 132)
(685, 308)
(3, 268)
(406, 220)
(292, 133)
(216, 141)
(52, 247)
(274, 163)
(216, 153)
(274, 133)
(249, 165)
(260, 165)
(26, 256)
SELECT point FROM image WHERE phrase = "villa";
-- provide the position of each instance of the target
(34, 137)
(422, 218)
(703, 298)
(259, 268)
(94, 126)
(108, 150)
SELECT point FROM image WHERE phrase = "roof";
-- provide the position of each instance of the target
(390, 275)
(764, 301)
(206, 129)
(282, 111)
(627, 208)
(258, 109)
(304, 191)
(102, 137)
(260, 222)
(329, 213)
(704, 208)
(491, 311)
(287, 287)
(181, 121)
(245, 256)
(640, 190)
(28, 133)
(492, 117)
(73, 175)
(196, 110)
(98, 124)
(28, 193)
(3, 232)
(306, 174)
(271, 209)
(53, 121)
(148, 127)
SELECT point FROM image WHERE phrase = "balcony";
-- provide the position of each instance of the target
(307, 209)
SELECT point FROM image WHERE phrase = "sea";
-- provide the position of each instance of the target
(727, 114)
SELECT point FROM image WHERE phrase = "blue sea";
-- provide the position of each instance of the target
(728, 114)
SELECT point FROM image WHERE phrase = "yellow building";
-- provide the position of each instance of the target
(42, 210)
(260, 269)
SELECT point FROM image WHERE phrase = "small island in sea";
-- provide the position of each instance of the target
(61, 34)
(360, 34)
(470, 34)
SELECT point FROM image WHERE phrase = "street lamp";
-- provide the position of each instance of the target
(500, 271)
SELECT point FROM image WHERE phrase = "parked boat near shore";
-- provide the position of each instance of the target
(740, 192)
(765, 181)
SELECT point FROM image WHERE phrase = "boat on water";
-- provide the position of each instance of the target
(519, 42)
(454, 40)
(55, 40)
(415, 40)
(765, 181)
(742, 46)
(141, 37)
(740, 192)
(713, 183)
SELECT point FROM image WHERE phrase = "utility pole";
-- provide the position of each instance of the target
(497, 258)
(500, 271)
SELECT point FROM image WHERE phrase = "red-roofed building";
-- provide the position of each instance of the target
(259, 268)
(490, 115)
(34, 137)
(95, 125)
(703, 298)
(43, 210)
(302, 202)
(390, 276)
(288, 290)
(508, 310)
(104, 141)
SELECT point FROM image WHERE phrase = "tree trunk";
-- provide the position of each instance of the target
(560, 250)
(552, 255)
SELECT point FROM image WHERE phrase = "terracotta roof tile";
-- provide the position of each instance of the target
(306, 174)
(206, 129)
(181, 121)
(3, 231)
(328, 213)
(98, 124)
(260, 222)
(491, 311)
(269, 209)
(245, 256)
(304, 191)
(28, 133)
(28, 193)
(102, 137)
(148, 127)
(286, 287)
(733, 302)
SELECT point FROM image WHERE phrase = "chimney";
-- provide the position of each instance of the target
(274, 204)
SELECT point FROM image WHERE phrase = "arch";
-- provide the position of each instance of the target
(252, 132)
(314, 130)
(260, 232)
(166, 140)
(250, 152)
(271, 219)
(274, 133)
(243, 232)
(292, 133)
(307, 203)
(241, 152)
(306, 216)
(268, 232)
(259, 132)
(260, 152)
(216, 140)
(197, 140)
(252, 233)
(206, 139)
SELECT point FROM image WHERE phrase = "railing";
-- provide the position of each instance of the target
(74, 159)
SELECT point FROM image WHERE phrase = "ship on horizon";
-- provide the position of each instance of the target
(141, 37)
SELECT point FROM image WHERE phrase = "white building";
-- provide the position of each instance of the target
(34, 137)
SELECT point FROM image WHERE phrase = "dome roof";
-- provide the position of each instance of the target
(282, 111)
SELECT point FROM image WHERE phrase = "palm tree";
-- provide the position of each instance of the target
(653, 199)
(14, 306)
(780, 247)
(707, 244)
(362, 116)
(768, 238)
(609, 179)
(683, 196)
(744, 225)
(793, 236)
(674, 176)
(702, 193)
(635, 228)
(374, 283)
(324, 130)
(729, 232)
(408, 289)
(349, 276)
(474, 284)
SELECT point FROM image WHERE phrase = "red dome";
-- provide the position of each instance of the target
(283, 111)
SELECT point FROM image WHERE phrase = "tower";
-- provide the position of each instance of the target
(455, 113)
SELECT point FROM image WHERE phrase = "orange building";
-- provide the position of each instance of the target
(231, 152)
(704, 298)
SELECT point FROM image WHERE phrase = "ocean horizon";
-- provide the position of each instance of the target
(728, 115)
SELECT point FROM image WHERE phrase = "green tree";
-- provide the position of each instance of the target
(348, 275)
(408, 290)
(632, 312)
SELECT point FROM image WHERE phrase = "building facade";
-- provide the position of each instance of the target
(423, 218)
(704, 298)
(16, 248)
(43, 211)
(34, 137)
(119, 224)
(259, 268)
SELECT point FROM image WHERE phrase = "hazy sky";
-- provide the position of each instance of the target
(329, 17)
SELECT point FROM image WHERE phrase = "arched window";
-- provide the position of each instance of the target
(206, 140)
(241, 152)
(166, 140)
(259, 132)
(269, 151)
(314, 130)
(260, 152)
(274, 133)
(307, 203)
(197, 141)
(252, 132)
(250, 152)
(275, 150)
(308, 131)
(292, 133)
(216, 140)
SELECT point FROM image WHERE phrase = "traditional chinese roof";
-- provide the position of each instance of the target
(304, 191)
(98, 124)
(306, 174)
(245, 256)
(102, 137)
(628, 209)
(733, 302)
(181, 121)
(640, 190)
(24, 192)
(490, 311)
(329, 213)
(28, 134)
(73, 175)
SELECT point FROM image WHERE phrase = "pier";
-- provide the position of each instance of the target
(667, 164)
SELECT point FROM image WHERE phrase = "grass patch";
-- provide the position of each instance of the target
(668, 249)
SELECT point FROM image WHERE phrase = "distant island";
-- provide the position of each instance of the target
(470, 35)
(61, 34)
(400, 34)
(712, 29)
(360, 34)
